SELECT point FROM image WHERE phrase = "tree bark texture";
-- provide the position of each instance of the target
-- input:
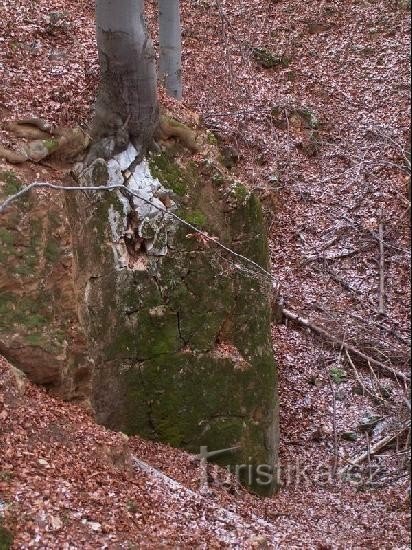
(126, 106)
(170, 41)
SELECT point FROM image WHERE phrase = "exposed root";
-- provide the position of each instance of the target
(45, 140)
(169, 128)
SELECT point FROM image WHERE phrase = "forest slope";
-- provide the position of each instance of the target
(324, 136)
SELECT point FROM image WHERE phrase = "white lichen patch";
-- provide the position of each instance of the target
(141, 228)
(118, 226)
(158, 311)
(152, 228)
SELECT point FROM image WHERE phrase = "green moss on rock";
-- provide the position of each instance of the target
(151, 336)
(6, 538)
(240, 192)
(212, 139)
(100, 174)
(37, 318)
(200, 391)
(52, 250)
(218, 178)
(158, 332)
(12, 183)
(169, 173)
(25, 312)
(195, 217)
(51, 144)
(6, 237)
(34, 339)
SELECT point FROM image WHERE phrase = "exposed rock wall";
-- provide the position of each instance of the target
(39, 328)
(170, 339)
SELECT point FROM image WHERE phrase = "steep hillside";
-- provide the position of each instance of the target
(310, 101)
(67, 482)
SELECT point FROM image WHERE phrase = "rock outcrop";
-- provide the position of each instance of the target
(137, 314)
(39, 329)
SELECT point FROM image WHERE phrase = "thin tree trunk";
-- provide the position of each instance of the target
(126, 106)
(170, 40)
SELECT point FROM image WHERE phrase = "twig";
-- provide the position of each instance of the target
(384, 369)
(368, 442)
(338, 256)
(382, 326)
(226, 42)
(357, 376)
(335, 431)
(381, 271)
(288, 138)
(374, 235)
(374, 377)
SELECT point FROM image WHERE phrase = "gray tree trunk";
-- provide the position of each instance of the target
(170, 41)
(126, 105)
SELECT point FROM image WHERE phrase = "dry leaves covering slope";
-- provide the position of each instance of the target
(333, 180)
(67, 483)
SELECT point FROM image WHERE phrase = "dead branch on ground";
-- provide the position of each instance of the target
(381, 308)
(380, 367)
(373, 450)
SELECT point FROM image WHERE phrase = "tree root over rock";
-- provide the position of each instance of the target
(45, 140)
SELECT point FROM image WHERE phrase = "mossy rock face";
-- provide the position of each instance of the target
(39, 329)
(6, 539)
(180, 337)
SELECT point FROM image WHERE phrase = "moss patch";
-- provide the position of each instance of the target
(6, 237)
(12, 183)
(52, 250)
(37, 315)
(270, 60)
(169, 173)
(51, 144)
(6, 538)
(24, 313)
(240, 192)
(212, 139)
(154, 336)
(194, 217)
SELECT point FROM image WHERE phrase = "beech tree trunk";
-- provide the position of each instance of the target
(126, 105)
(170, 41)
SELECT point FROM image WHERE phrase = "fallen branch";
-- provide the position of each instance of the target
(372, 450)
(380, 367)
(358, 378)
(374, 235)
(335, 431)
(225, 522)
(358, 295)
(381, 309)
(382, 326)
(226, 47)
(337, 256)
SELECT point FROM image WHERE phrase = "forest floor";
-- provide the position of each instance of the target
(323, 137)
